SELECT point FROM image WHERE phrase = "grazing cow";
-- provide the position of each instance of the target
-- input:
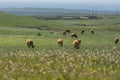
(60, 42)
(73, 35)
(92, 31)
(38, 34)
(30, 43)
(64, 32)
(67, 30)
(82, 32)
(76, 43)
(116, 40)
(51, 32)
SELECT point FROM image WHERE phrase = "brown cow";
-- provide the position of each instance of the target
(67, 30)
(30, 43)
(76, 43)
(82, 32)
(92, 31)
(60, 42)
(64, 32)
(116, 40)
(73, 35)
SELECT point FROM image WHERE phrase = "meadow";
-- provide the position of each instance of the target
(97, 59)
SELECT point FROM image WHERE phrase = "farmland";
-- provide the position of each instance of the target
(98, 57)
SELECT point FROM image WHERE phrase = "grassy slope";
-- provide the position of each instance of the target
(108, 22)
(92, 61)
(102, 36)
(7, 20)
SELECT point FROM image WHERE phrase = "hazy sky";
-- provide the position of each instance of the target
(69, 4)
(61, 1)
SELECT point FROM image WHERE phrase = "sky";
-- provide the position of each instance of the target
(67, 4)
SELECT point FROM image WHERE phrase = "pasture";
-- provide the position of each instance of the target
(98, 57)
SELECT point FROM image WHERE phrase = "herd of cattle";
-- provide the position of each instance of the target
(76, 43)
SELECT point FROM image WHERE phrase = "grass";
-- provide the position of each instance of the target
(109, 22)
(15, 36)
(63, 65)
(98, 57)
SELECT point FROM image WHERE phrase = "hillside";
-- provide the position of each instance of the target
(12, 20)
(98, 57)
(9, 20)
(109, 22)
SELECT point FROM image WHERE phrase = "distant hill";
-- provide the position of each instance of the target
(10, 20)
(52, 11)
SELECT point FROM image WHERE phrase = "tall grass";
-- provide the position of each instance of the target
(63, 65)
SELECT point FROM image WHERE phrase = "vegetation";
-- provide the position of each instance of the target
(98, 57)
(61, 64)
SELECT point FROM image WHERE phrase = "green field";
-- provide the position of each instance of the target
(97, 59)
